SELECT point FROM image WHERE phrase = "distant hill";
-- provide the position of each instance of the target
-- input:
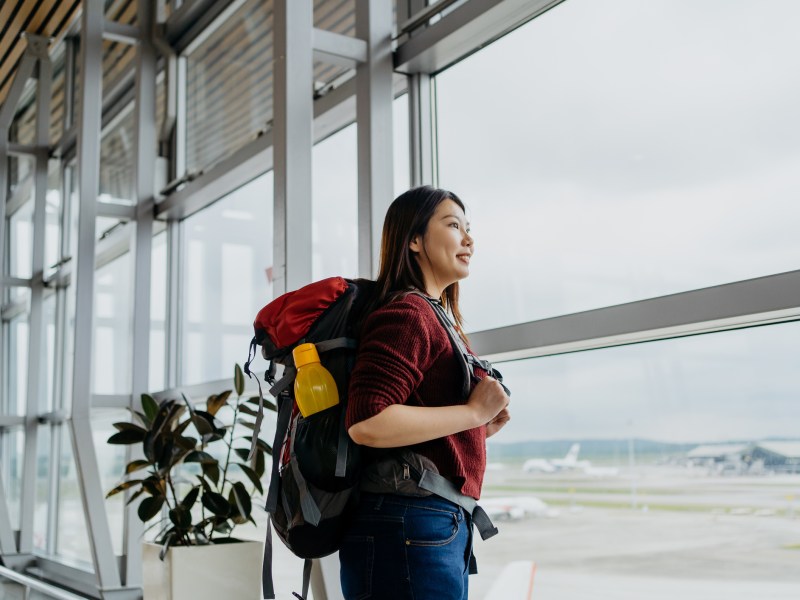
(615, 450)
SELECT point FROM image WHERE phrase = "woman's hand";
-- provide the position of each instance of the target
(498, 422)
(488, 400)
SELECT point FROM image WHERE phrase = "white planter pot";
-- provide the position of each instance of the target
(212, 572)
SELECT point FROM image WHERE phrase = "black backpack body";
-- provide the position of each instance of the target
(316, 467)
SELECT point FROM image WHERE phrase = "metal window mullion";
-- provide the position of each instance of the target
(23, 72)
(175, 295)
(91, 52)
(374, 95)
(8, 545)
(421, 135)
(748, 303)
(36, 336)
(293, 114)
(179, 147)
(146, 146)
(69, 83)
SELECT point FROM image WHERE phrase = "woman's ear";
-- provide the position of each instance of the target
(415, 245)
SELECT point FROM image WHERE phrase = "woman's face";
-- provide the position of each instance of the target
(445, 250)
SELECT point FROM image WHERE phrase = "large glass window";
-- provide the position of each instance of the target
(229, 85)
(158, 313)
(18, 362)
(682, 478)
(12, 443)
(21, 240)
(335, 195)
(603, 162)
(117, 159)
(227, 278)
(72, 535)
(112, 331)
(334, 222)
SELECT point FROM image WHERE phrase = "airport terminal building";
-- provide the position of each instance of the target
(631, 172)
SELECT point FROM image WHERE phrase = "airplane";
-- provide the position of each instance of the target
(516, 507)
(570, 462)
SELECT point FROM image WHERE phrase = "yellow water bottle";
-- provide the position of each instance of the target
(314, 387)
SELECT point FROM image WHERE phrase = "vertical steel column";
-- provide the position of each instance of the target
(145, 119)
(421, 132)
(8, 546)
(374, 118)
(69, 83)
(24, 72)
(91, 53)
(293, 123)
(36, 334)
(173, 329)
(11, 552)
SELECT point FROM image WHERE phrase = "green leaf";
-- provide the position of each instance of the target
(150, 507)
(243, 408)
(150, 407)
(130, 436)
(140, 416)
(187, 443)
(259, 464)
(238, 380)
(239, 497)
(135, 495)
(242, 453)
(190, 498)
(222, 526)
(124, 486)
(126, 426)
(136, 465)
(214, 403)
(167, 543)
(216, 503)
(199, 456)
(251, 475)
(247, 424)
(267, 404)
(211, 470)
(155, 486)
(260, 444)
(181, 517)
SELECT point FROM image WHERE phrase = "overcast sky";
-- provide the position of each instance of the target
(608, 152)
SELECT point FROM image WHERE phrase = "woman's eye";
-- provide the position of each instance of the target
(454, 225)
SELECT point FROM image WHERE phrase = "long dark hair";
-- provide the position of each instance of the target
(400, 273)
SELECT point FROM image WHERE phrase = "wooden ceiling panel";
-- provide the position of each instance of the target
(39, 17)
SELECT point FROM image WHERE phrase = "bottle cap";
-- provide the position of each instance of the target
(305, 354)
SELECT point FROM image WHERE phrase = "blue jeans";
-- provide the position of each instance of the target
(404, 548)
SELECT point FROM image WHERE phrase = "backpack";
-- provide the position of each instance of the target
(316, 467)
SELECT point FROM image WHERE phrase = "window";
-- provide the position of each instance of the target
(227, 278)
(229, 86)
(611, 164)
(686, 475)
(112, 327)
(335, 195)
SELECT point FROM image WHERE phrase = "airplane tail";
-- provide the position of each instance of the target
(572, 455)
(515, 582)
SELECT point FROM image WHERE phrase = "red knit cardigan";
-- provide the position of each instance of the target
(406, 357)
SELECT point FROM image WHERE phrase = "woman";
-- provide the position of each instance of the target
(406, 392)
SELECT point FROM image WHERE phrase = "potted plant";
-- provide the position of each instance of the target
(198, 487)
